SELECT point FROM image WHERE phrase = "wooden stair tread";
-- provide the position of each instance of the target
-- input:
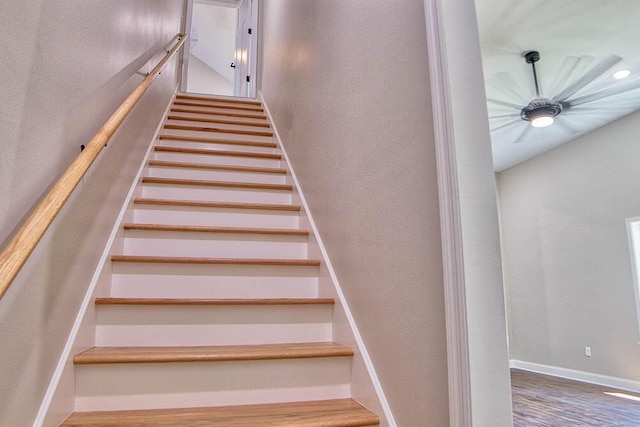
(188, 165)
(227, 106)
(221, 205)
(210, 229)
(225, 353)
(218, 129)
(215, 261)
(228, 184)
(219, 121)
(200, 110)
(325, 413)
(214, 302)
(218, 141)
(218, 99)
(218, 152)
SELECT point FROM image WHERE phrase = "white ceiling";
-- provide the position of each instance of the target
(557, 29)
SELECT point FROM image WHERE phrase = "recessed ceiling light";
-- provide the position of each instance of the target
(621, 74)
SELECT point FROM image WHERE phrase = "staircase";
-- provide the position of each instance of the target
(214, 317)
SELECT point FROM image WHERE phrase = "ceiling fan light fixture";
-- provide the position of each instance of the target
(540, 112)
(621, 74)
(542, 121)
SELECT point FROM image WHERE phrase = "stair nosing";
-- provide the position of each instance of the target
(227, 184)
(229, 168)
(222, 107)
(214, 229)
(216, 261)
(195, 110)
(229, 353)
(213, 302)
(218, 99)
(345, 412)
(217, 130)
(165, 149)
(217, 205)
(221, 141)
(218, 121)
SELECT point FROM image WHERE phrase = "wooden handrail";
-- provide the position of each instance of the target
(20, 247)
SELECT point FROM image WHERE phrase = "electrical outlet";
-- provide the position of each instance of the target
(587, 351)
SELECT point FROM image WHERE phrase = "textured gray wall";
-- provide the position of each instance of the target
(347, 82)
(66, 66)
(566, 254)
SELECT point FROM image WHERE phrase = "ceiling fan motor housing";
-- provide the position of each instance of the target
(540, 107)
(532, 56)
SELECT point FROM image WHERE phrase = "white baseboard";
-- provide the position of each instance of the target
(571, 374)
(388, 415)
(66, 356)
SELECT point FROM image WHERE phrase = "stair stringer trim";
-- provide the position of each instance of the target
(83, 328)
(362, 366)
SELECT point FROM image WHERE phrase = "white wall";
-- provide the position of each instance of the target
(66, 66)
(216, 28)
(204, 79)
(566, 254)
(347, 83)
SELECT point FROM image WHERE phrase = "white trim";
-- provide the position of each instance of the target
(253, 49)
(450, 222)
(633, 235)
(185, 52)
(571, 374)
(88, 298)
(325, 257)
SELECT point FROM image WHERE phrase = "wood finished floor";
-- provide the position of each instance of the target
(541, 400)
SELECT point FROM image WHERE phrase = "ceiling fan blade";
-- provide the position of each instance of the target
(596, 71)
(605, 83)
(504, 103)
(564, 73)
(522, 134)
(563, 123)
(605, 93)
(505, 116)
(505, 126)
(504, 83)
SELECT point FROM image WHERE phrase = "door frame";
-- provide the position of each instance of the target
(478, 371)
(252, 48)
(253, 45)
(186, 51)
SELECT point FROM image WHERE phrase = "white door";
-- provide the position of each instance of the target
(245, 48)
(238, 78)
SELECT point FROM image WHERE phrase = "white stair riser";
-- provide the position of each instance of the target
(242, 127)
(219, 109)
(218, 117)
(214, 146)
(168, 325)
(210, 159)
(208, 134)
(216, 245)
(219, 99)
(170, 385)
(190, 215)
(217, 194)
(130, 287)
(215, 175)
(213, 281)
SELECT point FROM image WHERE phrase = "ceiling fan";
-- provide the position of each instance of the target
(584, 96)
